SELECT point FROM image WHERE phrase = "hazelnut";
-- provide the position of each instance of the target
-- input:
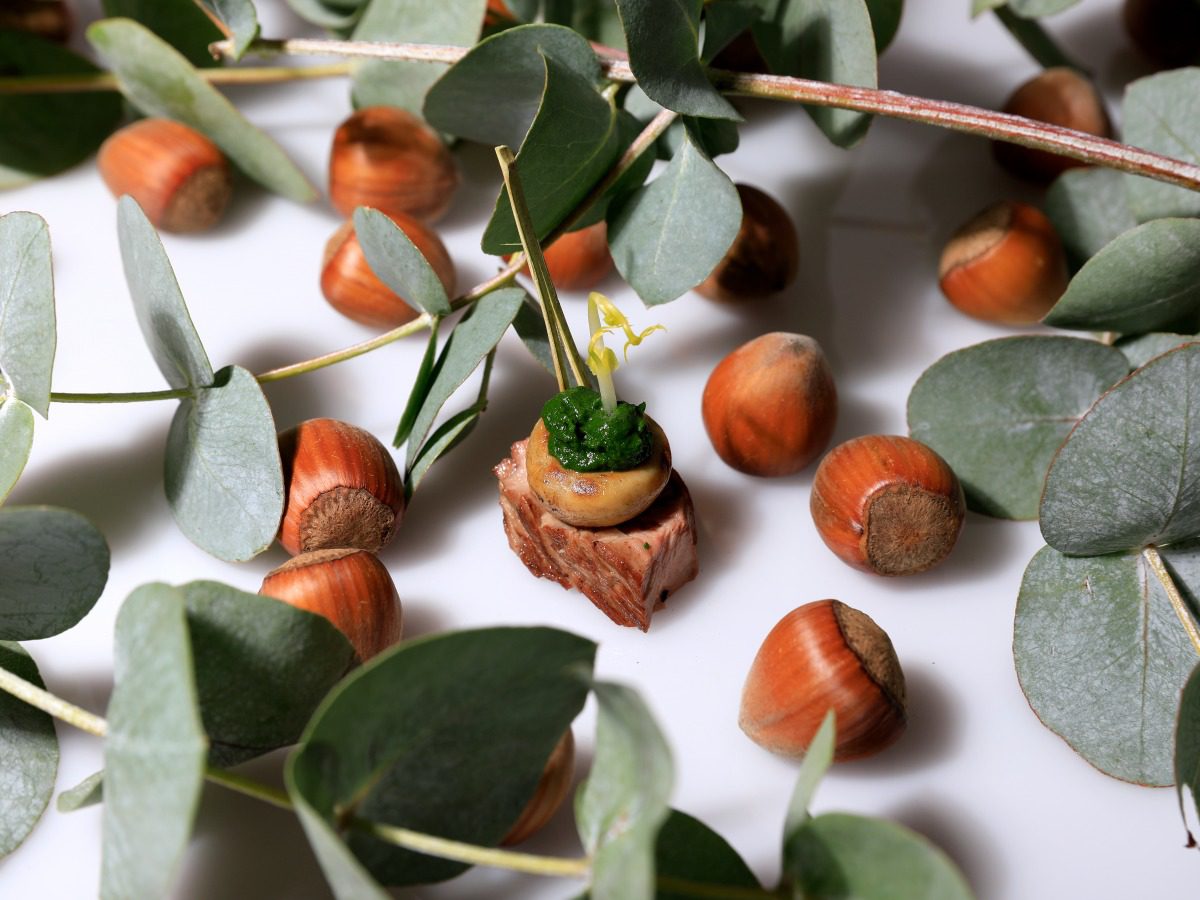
(48, 19)
(350, 588)
(389, 159)
(822, 656)
(887, 504)
(354, 290)
(769, 407)
(596, 499)
(552, 789)
(763, 258)
(177, 175)
(578, 260)
(343, 489)
(1005, 265)
(497, 14)
(1167, 31)
(1059, 96)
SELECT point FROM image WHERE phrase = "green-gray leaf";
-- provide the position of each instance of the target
(404, 84)
(161, 311)
(337, 17)
(1101, 657)
(1129, 474)
(571, 144)
(160, 82)
(87, 793)
(493, 94)
(28, 755)
(1187, 743)
(1035, 9)
(856, 858)
(262, 667)
(1162, 113)
(154, 756)
(1089, 208)
(16, 439)
(689, 851)
(1141, 349)
(596, 20)
(224, 479)
(998, 411)
(826, 40)
(393, 256)
(667, 236)
(664, 53)
(43, 134)
(726, 20)
(885, 21)
(27, 326)
(624, 801)
(447, 735)
(180, 23)
(817, 761)
(241, 19)
(1147, 279)
(53, 566)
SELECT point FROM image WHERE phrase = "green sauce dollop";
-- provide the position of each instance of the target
(584, 438)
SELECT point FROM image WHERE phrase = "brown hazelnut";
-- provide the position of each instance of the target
(1005, 265)
(1166, 31)
(578, 260)
(177, 175)
(552, 789)
(1059, 96)
(48, 19)
(389, 159)
(887, 504)
(825, 656)
(343, 489)
(350, 588)
(595, 499)
(763, 258)
(354, 290)
(769, 407)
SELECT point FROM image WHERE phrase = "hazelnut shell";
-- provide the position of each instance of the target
(552, 789)
(764, 256)
(578, 260)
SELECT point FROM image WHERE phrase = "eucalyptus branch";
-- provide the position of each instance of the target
(51, 704)
(953, 116)
(1159, 568)
(103, 81)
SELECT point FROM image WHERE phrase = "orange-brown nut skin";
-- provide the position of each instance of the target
(770, 406)
(1166, 31)
(389, 159)
(48, 19)
(822, 656)
(1060, 96)
(596, 499)
(578, 260)
(342, 488)
(764, 257)
(354, 290)
(179, 178)
(887, 504)
(350, 588)
(552, 789)
(1006, 265)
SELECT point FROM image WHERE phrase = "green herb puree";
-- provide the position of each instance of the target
(584, 438)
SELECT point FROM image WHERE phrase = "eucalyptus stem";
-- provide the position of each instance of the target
(420, 323)
(953, 116)
(1159, 568)
(127, 397)
(49, 703)
(249, 787)
(104, 81)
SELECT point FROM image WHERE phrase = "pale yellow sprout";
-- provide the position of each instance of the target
(600, 359)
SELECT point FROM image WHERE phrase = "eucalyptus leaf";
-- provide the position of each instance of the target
(979, 7)
(181, 23)
(688, 852)
(1147, 279)
(885, 21)
(87, 793)
(530, 326)
(27, 325)
(1162, 113)
(44, 134)
(1129, 474)
(667, 236)
(596, 20)
(470, 341)
(628, 129)
(571, 144)
(28, 754)
(445, 438)
(403, 84)
(16, 440)
(493, 93)
(224, 478)
(420, 389)
(1035, 9)
(154, 755)
(624, 802)
(825, 40)
(1142, 348)
(241, 19)
(664, 53)
(817, 760)
(53, 566)
(447, 735)
(161, 311)
(160, 82)
(1089, 208)
(856, 858)
(998, 411)
(393, 256)
(714, 136)
(1187, 744)
(336, 18)
(1101, 657)
(1036, 40)
(726, 20)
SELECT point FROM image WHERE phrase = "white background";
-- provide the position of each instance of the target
(1020, 813)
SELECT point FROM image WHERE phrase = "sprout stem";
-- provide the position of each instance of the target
(1159, 568)
(604, 379)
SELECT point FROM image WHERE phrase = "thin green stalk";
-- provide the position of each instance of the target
(104, 81)
(49, 703)
(1159, 568)
(420, 323)
(129, 397)
(248, 786)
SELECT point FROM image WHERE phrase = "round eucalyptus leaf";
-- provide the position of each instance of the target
(16, 440)
(885, 21)
(28, 754)
(1162, 113)
(53, 566)
(1035, 9)
(393, 257)
(596, 20)
(240, 18)
(336, 17)
(998, 411)
(1102, 656)
(181, 23)
(28, 336)
(1187, 743)
(87, 793)
(1142, 348)
(1128, 475)
(1089, 208)
(1147, 279)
